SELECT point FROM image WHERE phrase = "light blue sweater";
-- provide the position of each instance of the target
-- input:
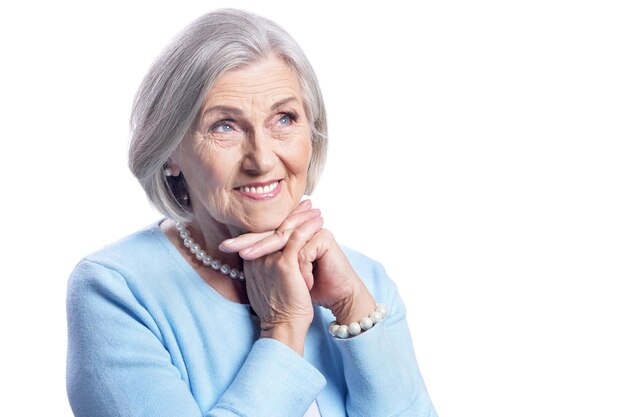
(148, 337)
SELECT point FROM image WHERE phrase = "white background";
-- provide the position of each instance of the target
(477, 150)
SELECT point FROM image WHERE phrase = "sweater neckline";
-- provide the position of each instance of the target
(193, 276)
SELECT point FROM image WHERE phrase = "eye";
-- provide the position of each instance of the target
(287, 119)
(223, 126)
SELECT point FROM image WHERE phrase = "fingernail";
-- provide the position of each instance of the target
(225, 246)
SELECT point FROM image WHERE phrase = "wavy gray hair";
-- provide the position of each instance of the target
(172, 92)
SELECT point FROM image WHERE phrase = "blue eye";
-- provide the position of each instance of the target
(287, 119)
(222, 127)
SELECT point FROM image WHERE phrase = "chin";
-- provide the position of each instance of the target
(262, 223)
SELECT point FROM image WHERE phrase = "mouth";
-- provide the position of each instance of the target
(261, 191)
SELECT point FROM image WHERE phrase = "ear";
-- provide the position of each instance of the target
(172, 165)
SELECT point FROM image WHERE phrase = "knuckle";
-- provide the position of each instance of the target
(298, 235)
(287, 224)
(282, 234)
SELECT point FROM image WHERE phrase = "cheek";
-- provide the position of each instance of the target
(300, 156)
(208, 174)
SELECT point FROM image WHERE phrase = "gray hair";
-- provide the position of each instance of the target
(171, 95)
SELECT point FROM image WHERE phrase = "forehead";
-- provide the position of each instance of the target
(266, 81)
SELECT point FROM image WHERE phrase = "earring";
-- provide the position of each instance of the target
(167, 171)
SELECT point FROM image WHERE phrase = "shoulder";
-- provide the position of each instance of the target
(139, 247)
(126, 262)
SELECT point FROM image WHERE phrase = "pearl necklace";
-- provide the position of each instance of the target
(201, 255)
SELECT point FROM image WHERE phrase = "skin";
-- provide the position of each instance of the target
(252, 129)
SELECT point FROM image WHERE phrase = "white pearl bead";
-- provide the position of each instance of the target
(354, 328)
(201, 255)
(342, 332)
(376, 317)
(366, 323)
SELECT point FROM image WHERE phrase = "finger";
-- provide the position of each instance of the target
(301, 214)
(301, 235)
(273, 243)
(243, 241)
(294, 220)
(306, 269)
(304, 205)
(314, 248)
(278, 239)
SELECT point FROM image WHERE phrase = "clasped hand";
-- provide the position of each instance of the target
(293, 267)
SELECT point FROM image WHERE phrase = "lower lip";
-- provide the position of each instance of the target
(263, 196)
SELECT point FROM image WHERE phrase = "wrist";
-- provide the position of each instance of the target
(344, 331)
(355, 306)
(291, 334)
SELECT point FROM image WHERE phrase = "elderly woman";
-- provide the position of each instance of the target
(238, 303)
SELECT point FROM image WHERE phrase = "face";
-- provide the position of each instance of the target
(246, 160)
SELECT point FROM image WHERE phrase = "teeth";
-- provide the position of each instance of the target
(259, 190)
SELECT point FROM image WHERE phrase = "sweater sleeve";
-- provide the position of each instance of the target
(118, 365)
(380, 368)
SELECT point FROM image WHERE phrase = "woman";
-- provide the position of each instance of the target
(223, 308)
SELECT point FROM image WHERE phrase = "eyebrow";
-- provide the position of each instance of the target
(223, 109)
(236, 111)
(282, 102)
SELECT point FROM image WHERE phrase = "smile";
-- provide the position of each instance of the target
(261, 191)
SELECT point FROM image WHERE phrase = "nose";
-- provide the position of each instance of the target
(259, 153)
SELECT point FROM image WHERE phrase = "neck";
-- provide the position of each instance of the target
(231, 289)
(209, 234)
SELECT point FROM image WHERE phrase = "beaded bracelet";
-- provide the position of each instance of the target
(343, 331)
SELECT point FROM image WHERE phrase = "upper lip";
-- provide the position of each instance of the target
(258, 184)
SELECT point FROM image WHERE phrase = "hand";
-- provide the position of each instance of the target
(333, 284)
(332, 281)
(276, 289)
(254, 245)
